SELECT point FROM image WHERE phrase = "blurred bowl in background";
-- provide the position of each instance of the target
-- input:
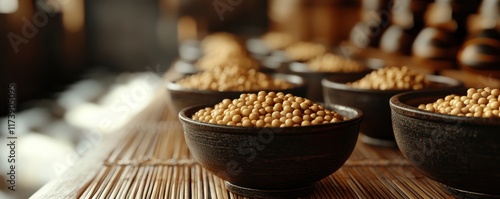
(180, 97)
(184, 67)
(257, 48)
(190, 50)
(377, 126)
(276, 61)
(313, 78)
(463, 153)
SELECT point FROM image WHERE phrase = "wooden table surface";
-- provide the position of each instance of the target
(149, 159)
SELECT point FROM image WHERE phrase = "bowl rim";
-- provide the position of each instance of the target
(327, 82)
(251, 130)
(398, 105)
(297, 81)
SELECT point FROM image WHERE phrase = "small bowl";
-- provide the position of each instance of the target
(184, 67)
(463, 153)
(180, 97)
(276, 61)
(257, 47)
(377, 127)
(190, 50)
(313, 78)
(272, 162)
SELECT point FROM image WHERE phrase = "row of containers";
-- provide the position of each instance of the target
(442, 146)
(318, 73)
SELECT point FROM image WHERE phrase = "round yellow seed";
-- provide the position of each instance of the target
(482, 102)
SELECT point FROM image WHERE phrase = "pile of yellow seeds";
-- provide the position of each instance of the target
(482, 102)
(224, 50)
(233, 79)
(278, 40)
(392, 78)
(226, 60)
(334, 63)
(221, 42)
(304, 51)
(267, 109)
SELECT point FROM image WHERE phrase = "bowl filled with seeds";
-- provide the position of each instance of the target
(453, 137)
(371, 95)
(269, 42)
(270, 144)
(228, 82)
(329, 64)
(300, 51)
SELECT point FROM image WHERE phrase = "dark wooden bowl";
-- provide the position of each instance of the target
(377, 126)
(180, 97)
(313, 78)
(460, 152)
(272, 162)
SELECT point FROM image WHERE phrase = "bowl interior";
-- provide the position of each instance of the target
(297, 81)
(181, 97)
(353, 114)
(436, 82)
(407, 104)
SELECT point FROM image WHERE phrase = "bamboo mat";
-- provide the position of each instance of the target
(150, 159)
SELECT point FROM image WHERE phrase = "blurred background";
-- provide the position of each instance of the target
(83, 68)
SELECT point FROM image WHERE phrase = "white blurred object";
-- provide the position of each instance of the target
(6, 195)
(116, 108)
(82, 91)
(29, 119)
(39, 158)
(60, 129)
(92, 116)
(8, 6)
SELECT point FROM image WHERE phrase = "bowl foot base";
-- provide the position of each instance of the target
(264, 193)
(458, 193)
(378, 142)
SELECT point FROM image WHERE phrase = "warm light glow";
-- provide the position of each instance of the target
(73, 15)
(187, 28)
(8, 6)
